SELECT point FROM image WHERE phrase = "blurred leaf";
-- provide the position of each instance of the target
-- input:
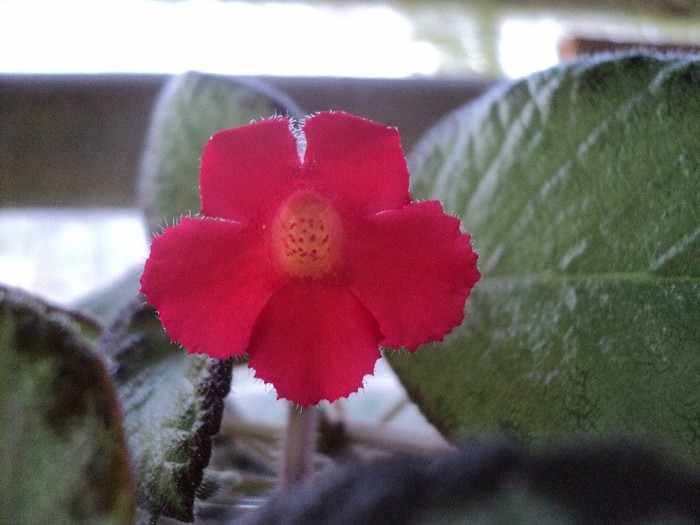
(581, 187)
(492, 481)
(172, 403)
(191, 108)
(63, 457)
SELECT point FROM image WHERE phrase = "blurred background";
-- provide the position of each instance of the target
(78, 80)
(462, 39)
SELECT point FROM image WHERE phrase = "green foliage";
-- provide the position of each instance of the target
(63, 457)
(191, 108)
(172, 404)
(581, 187)
(490, 480)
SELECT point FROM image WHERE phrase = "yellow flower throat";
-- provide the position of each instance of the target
(307, 236)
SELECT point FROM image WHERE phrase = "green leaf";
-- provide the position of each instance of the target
(581, 187)
(63, 457)
(191, 108)
(172, 403)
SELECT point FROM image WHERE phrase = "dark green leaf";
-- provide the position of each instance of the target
(492, 481)
(581, 187)
(63, 457)
(191, 108)
(172, 403)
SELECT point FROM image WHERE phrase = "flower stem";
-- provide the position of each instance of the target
(374, 435)
(299, 444)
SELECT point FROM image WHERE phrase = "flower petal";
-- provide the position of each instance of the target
(314, 341)
(243, 169)
(209, 280)
(413, 269)
(356, 162)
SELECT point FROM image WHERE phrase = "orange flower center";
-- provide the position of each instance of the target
(307, 236)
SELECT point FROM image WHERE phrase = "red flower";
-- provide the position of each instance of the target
(309, 263)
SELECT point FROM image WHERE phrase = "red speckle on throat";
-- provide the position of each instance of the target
(306, 236)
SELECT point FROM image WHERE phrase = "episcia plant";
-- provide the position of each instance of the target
(309, 255)
(581, 186)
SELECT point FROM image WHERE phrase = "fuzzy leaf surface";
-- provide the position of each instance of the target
(63, 458)
(581, 188)
(172, 403)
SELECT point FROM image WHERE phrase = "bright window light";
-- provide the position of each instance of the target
(64, 255)
(527, 45)
(147, 36)
(261, 38)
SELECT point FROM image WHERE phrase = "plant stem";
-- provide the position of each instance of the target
(376, 435)
(299, 444)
